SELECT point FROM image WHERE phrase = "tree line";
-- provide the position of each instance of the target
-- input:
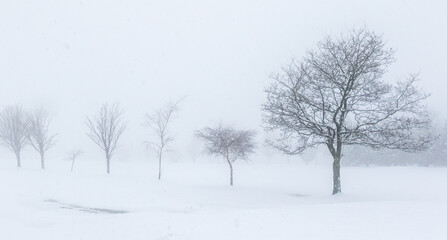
(336, 95)
(19, 128)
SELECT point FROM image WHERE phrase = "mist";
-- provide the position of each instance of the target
(71, 57)
(214, 60)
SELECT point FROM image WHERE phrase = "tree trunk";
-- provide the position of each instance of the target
(108, 165)
(231, 172)
(336, 176)
(159, 165)
(42, 160)
(72, 163)
(18, 160)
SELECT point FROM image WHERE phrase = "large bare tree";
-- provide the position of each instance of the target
(336, 96)
(39, 136)
(106, 128)
(158, 122)
(13, 130)
(228, 143)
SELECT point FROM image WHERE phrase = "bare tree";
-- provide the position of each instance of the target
(336, 96)
(38, 122)
(227, 142)
(159, 122)
(13, 130)
(106, 128)
(73, 155)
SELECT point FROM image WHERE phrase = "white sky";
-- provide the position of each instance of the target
(71, 56)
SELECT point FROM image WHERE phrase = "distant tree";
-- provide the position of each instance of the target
(13, 130)
(228, 143)
(158, 122)
(336, 96)
(73, 155)
(437, 155)
(106, 128)
(308, 156)
(39, 137)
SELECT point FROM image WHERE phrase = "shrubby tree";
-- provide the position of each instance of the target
(437, 154)
(158, 122)
(364, 156)
(336, 96)
(39, 137)
(106, 128)
(74, 154)
(308, 156)
(13, 130)
(228, 143)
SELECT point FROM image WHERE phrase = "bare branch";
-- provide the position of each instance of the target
(40, 139)
(13, 130)
(158, 122)
(336, 96)
(228, 143)
(74, 154)
(106, 128)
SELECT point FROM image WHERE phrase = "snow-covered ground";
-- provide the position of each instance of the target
(193, 201)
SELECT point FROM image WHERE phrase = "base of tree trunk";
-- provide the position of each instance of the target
(336, 177)
(19, 164)
(42, 162)
(231, 174)
(108, 166)
(159, 167)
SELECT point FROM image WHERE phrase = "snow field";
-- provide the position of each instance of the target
(194, 201)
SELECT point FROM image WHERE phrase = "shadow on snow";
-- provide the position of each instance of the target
(85, 209)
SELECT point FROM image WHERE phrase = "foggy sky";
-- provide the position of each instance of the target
(72, 56)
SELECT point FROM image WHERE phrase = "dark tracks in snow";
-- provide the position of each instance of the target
(85, 209)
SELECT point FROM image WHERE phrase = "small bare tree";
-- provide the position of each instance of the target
(74, 154)
(13, 130)
(336, 96)
(227, 142)
(159, 122)
(41, 140)
(106, 128)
